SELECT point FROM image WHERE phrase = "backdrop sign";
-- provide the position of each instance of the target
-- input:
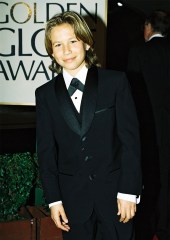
(23, 58)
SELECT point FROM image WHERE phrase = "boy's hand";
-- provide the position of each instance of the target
(126, 210)
(59, 217)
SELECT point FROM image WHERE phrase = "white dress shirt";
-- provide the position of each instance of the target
(76, 98)
(155, 35)
(77, 95)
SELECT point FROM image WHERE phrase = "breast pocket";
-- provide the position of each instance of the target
(102, 110)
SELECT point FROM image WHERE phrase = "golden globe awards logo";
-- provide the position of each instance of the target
(23, 57)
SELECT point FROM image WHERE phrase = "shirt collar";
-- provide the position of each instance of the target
(81, 75)
(156, 35)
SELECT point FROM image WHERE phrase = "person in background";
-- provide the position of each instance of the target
(87, 138)
(149, 75)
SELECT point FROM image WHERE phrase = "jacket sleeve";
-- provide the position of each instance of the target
(46, 150)
(128, 132)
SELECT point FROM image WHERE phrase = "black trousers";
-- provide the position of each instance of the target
(98, 228)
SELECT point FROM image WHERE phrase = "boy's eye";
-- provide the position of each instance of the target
(73, 41)
(57, 45)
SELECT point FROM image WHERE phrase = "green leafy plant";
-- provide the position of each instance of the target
(39, 195)
(37, 180)
(17, 174)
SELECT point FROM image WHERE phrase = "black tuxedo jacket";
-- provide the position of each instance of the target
(86, 159)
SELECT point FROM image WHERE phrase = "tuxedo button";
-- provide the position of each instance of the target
(83, 139)
(86, 158)
(82, 149)
(92, 177)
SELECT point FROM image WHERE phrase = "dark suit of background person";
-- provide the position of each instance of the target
(149, 75)
(91, 155)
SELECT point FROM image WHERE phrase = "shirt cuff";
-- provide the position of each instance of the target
(129, 197)
(54, 203)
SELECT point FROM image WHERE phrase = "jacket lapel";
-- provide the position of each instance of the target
(65, 105)
(88, 104)
(89, 100)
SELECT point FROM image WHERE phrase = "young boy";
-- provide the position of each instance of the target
(87, 138)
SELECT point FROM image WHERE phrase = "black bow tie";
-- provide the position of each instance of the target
(74, 85)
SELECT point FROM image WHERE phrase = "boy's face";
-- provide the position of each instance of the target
(68, 51)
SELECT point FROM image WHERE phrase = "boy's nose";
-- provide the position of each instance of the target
(67, 50)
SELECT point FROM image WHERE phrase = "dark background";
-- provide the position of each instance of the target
(17, 123)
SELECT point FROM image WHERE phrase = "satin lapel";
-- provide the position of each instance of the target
(65, 105)
(89, 99)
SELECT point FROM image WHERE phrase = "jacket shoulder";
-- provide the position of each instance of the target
(46, 85)
(110, 73)
(112, 78)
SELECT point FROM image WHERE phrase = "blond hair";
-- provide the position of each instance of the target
(82, 32)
